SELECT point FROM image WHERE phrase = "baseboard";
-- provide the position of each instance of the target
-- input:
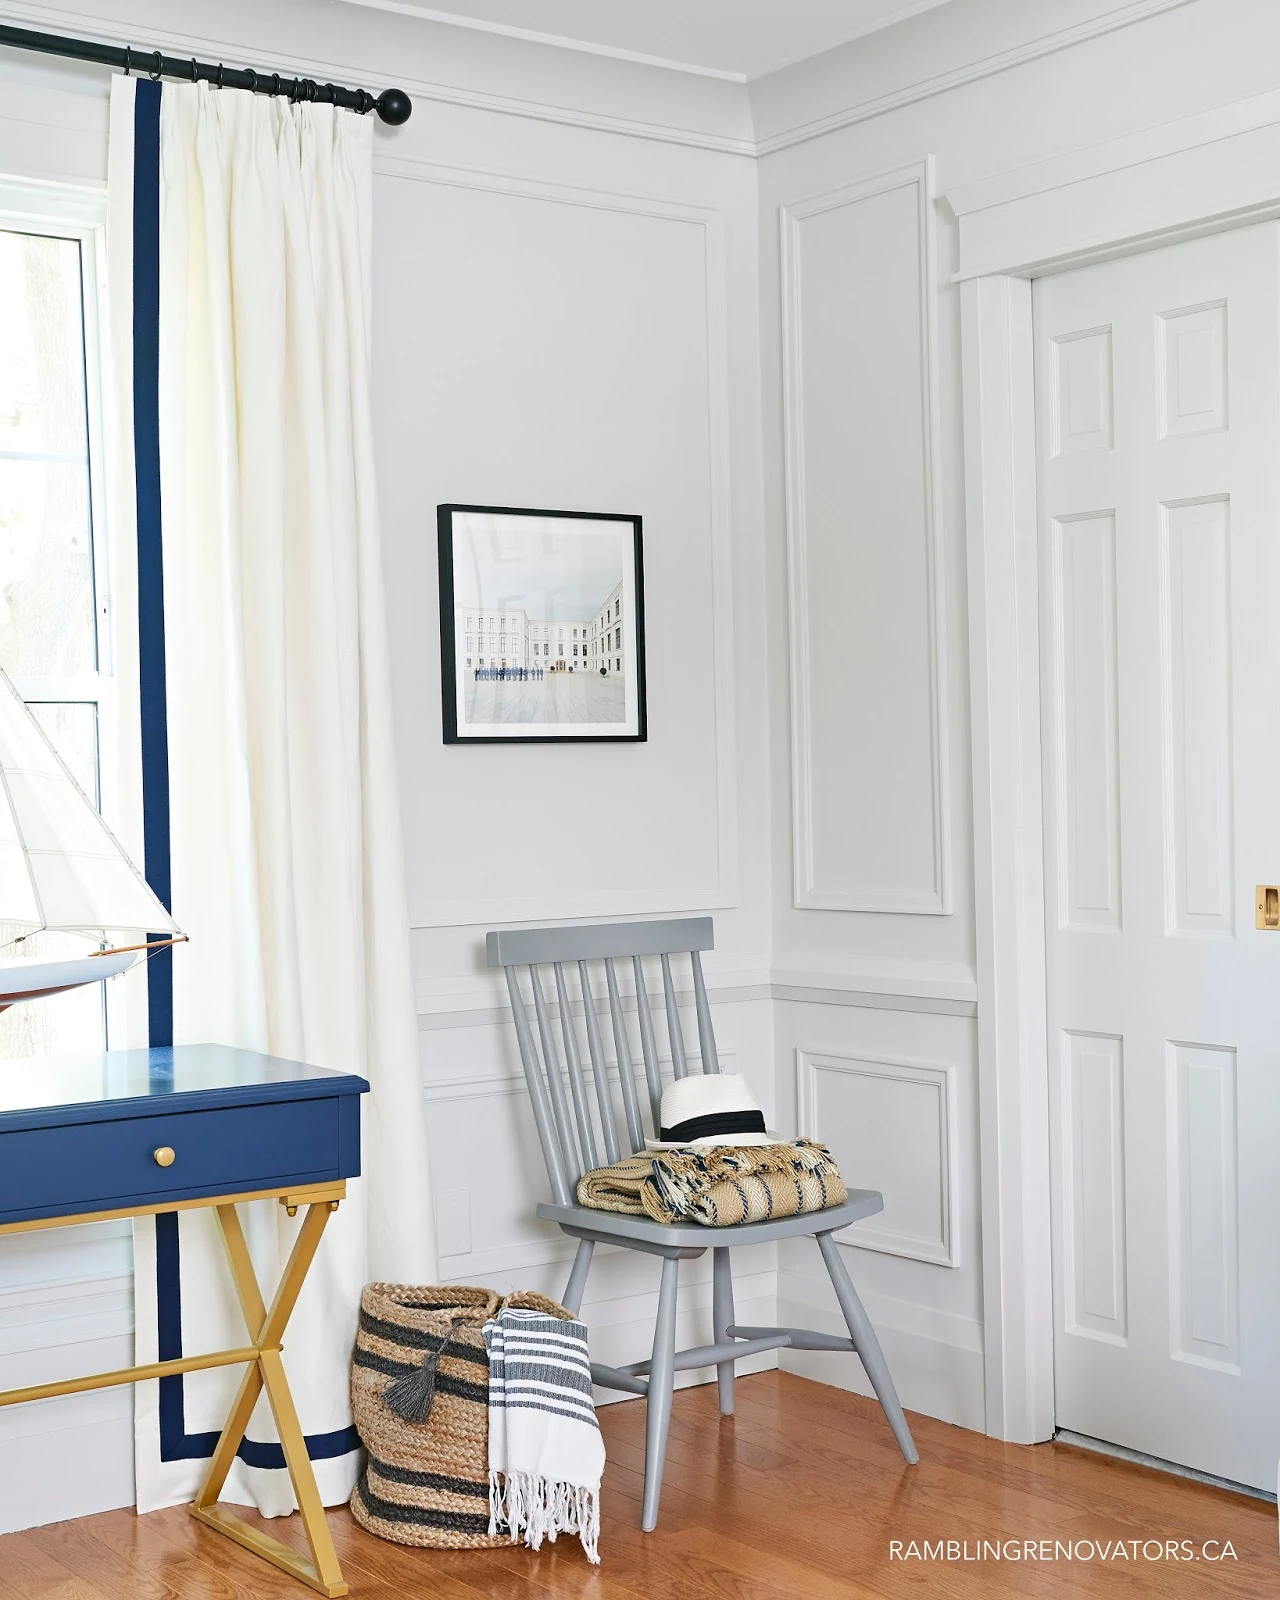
(935, 1358)
(71, 1456)
(78, 1461)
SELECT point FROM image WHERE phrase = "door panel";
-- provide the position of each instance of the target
(1158, 401)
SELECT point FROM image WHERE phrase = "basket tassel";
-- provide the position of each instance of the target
(412, 1396)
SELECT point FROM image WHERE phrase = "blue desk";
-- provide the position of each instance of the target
(132, 1133)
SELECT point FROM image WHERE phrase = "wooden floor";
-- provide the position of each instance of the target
(799, 1495)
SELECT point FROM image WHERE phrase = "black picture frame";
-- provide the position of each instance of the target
(458, 730)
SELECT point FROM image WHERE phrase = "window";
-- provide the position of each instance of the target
(617, 607)
(618, 665)
(54, 616)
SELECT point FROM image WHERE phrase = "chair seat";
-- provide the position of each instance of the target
(618, 1227)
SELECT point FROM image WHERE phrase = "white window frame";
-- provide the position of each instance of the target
(71, 211)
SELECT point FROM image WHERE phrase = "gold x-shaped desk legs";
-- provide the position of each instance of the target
(266, 1330)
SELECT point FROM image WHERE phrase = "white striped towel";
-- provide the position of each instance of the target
(546, 1454)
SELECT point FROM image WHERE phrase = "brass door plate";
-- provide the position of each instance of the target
(1267, 906)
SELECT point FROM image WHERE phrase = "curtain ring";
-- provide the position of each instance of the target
(310, 89)
(275, 83)
(253, 79)
(295, 91)
(157, 72)
(333, 94)
(218, 84)
(128, 61)
(195, 76)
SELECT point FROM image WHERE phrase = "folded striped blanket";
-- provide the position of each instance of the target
(546, 1453)
(719, 1185)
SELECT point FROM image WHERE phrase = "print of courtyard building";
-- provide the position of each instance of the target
(560, 658)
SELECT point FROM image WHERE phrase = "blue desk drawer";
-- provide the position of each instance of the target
(103, 1165)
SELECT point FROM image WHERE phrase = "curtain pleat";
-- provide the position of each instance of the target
(285, 835)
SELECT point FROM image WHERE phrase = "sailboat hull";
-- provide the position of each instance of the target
(30, 978)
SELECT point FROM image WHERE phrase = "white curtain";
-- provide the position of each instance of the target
(285, 831)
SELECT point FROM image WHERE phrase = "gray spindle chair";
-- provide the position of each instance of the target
(567, 1132)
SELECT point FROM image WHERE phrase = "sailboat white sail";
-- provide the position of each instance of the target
(61, 867)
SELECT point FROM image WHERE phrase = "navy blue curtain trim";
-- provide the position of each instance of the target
(176, 1444)
(152, 694)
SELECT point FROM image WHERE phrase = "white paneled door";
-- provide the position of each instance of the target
(1158, 397)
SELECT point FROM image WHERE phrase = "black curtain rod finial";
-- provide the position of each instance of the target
(394, 107)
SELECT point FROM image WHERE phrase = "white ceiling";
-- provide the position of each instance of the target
(725, 38)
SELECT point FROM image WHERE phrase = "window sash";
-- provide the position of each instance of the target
(79, 212)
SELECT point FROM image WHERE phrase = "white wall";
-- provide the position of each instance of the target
(566, 316)
(891, 1048)
(569, 319)
(580, 305)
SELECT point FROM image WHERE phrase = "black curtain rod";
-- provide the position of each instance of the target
(392, 105)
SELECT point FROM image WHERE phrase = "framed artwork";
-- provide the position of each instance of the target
(541, 625)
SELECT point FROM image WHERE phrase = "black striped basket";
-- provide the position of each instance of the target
(425, 1483)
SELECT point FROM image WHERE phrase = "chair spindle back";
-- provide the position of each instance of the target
(567, 1122)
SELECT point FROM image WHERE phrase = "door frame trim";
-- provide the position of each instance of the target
(1203, 174)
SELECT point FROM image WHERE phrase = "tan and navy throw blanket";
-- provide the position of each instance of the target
(546, 1454)
(721, 1186)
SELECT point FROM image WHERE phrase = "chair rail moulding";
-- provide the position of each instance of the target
(915, 479)
(940, 988)
(438, 912)
(884, 984)
(483, 1085)
(1202, 174)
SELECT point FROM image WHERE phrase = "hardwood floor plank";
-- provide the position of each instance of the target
(202, 1563)
(103, 1552)
(28, 1573)
(939, 1498)
(1067, 1474)
(799, 1495)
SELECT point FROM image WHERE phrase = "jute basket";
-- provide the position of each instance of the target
(427, 1483)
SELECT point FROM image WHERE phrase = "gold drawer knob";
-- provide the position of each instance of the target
(164, 1156)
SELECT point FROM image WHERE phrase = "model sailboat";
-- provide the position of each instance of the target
(62, 869)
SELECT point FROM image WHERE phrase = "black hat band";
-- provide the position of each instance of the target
(714, 1122)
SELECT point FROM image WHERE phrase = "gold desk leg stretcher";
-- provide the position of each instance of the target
(266, 1370)
(266, 1330)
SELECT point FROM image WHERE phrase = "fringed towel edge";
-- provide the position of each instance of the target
(525, 1504)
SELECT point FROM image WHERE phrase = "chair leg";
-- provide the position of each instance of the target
(721, 1321)
(867, 1346)
(662, 1374)
(571, 1299)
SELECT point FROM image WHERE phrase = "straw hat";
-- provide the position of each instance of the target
(708, 1109)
